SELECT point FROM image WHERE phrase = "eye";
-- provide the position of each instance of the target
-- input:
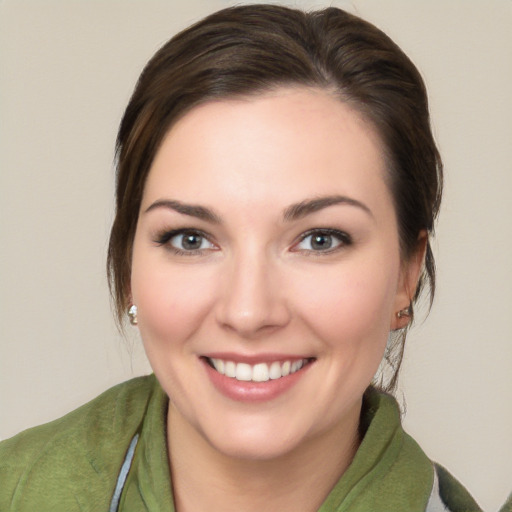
(322, 240)
(185, 241)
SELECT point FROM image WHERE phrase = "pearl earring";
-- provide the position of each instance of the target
(132, 313)
(404, 312)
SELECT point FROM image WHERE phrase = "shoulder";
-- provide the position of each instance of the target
(507, 507)
(409, 470)
(451, 494)
(80, 451)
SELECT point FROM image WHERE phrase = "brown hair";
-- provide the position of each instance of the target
(251, 49)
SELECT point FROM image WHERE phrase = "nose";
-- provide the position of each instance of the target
(253, 300)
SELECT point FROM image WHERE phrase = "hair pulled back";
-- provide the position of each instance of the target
(248, 50)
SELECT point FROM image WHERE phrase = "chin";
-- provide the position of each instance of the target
(257, 437)
(260, 448)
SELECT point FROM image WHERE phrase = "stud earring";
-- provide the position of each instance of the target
(132, 314)
(404, 312)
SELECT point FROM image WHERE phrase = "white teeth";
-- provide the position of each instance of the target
(243, 372)
(275, 370)
(230, 369)
(260, 372)
(219, 365)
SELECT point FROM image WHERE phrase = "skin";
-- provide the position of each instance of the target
(258, 287)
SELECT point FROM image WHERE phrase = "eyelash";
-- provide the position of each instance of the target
(343, 238)
(163, 239)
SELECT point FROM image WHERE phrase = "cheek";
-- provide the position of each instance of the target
(171, 302)
(350, 304)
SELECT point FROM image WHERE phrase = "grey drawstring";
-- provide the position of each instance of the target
(123, 473)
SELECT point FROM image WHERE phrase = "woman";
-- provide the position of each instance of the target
(277, 187)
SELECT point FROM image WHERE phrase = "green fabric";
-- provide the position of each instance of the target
(507, 506)
(453, 495)
(72, 464)
(389, 471)
(148, 486)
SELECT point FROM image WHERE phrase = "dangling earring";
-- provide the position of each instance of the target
(404, 312)
(132, 314)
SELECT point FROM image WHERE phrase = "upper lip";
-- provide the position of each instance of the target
(253, 359)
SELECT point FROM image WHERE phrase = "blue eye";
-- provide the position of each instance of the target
(323, 240)
(185, 241)
(189, 241)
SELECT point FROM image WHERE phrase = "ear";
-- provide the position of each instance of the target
(409, 276)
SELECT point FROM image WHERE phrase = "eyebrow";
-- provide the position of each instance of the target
(193, 210)
(309, 206)
(293, 212)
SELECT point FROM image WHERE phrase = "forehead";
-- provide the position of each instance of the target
(283, 145)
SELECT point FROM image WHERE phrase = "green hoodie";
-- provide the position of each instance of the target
(75, 463)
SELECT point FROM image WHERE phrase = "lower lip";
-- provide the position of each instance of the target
(247, 391)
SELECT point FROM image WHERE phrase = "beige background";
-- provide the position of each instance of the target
(66, 72)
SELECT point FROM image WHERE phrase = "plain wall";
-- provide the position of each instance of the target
(67, 69)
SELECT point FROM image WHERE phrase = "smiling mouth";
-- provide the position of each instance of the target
(260, 372)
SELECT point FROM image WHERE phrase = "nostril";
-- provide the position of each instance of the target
(251, 301)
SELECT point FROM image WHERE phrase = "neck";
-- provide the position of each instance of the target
(299, 481)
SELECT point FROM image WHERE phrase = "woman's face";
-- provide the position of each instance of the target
(266, 269)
